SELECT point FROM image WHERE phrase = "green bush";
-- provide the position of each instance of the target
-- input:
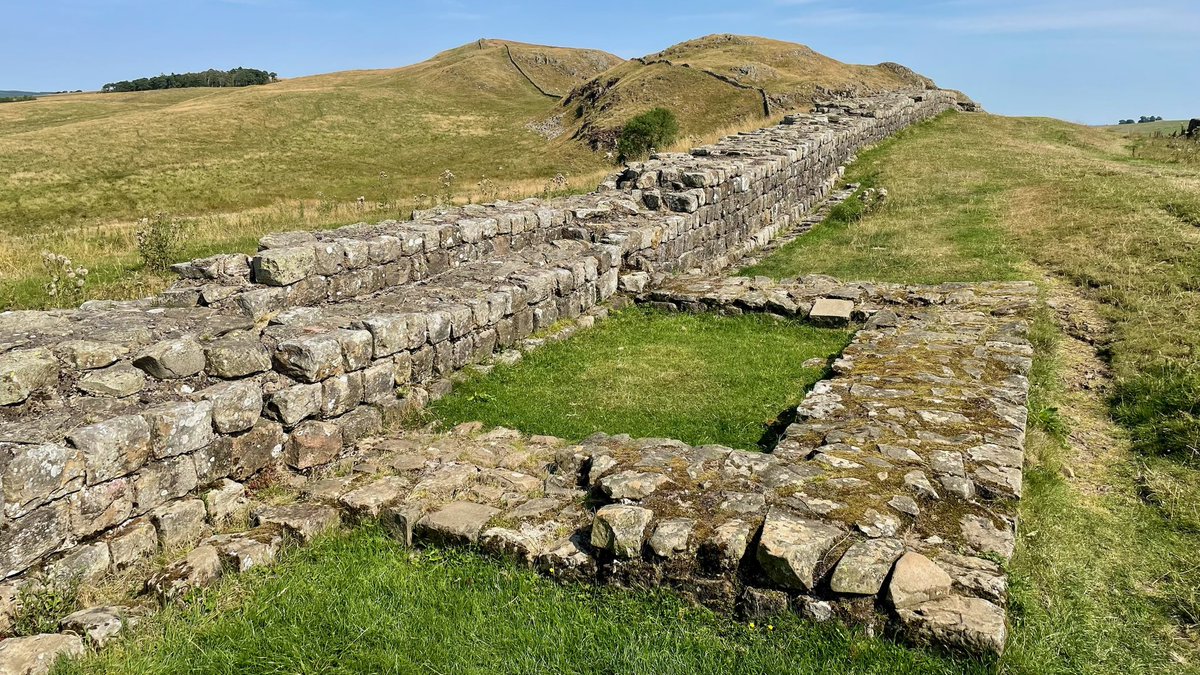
(158, 241)
(656, 128)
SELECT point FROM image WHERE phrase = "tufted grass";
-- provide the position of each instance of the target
(698, 378)
(359, 602)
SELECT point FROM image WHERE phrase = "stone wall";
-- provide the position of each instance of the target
(129, 427)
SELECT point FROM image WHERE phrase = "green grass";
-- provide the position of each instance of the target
(698, 378)
(1165, 127)
(361, 603)
(1107, 570)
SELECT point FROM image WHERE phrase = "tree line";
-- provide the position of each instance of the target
(1144, 119)
(236, 77)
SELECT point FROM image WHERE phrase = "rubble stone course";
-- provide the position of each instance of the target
(130, 427)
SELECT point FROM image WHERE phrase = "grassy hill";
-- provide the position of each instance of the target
(78, 171)
(1164, 127)
(719, 81)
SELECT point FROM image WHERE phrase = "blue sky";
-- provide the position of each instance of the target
(1091, 61)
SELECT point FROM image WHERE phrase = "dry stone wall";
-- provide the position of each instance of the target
(127, 428)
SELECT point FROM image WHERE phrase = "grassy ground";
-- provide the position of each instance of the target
(1164, 127)
(1107, 571)
(700, 379)
(361, 603)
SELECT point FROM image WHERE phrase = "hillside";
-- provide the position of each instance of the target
(77, 171)
(722, 80)
(1164, 127)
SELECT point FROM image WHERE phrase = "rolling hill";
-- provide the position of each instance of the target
(719, 81)
(77, 171)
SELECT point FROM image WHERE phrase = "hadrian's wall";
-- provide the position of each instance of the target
(127, 427)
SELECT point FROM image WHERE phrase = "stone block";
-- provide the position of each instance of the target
(236, 406)
(864, 566)
(37, 654)
(132, 544)
(99, 507)
(455, 524)
(621, 529)
(369, 500)
(237, 355)
(284, 266)
(82, 564)
(226, 502)
(172, 359)
(90, 354)
(24, 371)
(179, 428)
(302, 521)
(341, 394)
(915, 580)
(161, 481)
(180, 524)
(791, 547)
(244, 551)
(295, 403)
(25, 540)
(310, 358)
(100, 625)
(31, 475)
(201, 568)
(831, 311)
(359, 423)
(256, 449)
(312, 444)
(116, 381)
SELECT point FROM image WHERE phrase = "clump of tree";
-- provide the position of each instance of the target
(1144, 119)
(15, 99)
(643, 133)
(236, 77)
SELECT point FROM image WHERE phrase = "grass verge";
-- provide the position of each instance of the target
(698, 378)
(361, 603)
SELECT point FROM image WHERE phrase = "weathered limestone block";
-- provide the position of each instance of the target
(831, 311)
(256, 449)
(201, 568)
(456, 523)
(284, 266)
(226, 502)
(132, 544)
(90, 354)
(302, 521)
(171, 359)
(100, 625)
(310, 358)
(25, 540)
(864, 566)
(986, 537)
(621, 529)
(180, 524)
(917, 579)
(295, 403)
(244, 551)
(162, 481)
(370, 499)
(357, 347)
(791, 547)
(24, 371)
(31, 475)
(236, 406)
(37, 654)
(633, 485)
(359, 423)
(179, 428)
(725, 549)
(113, 448)
(341, 394)
(237, 355)
(116, 381)
(521, 547)
(671, 537)
(972, 624)
(313, 443)
(99, 507)
(83, 564)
